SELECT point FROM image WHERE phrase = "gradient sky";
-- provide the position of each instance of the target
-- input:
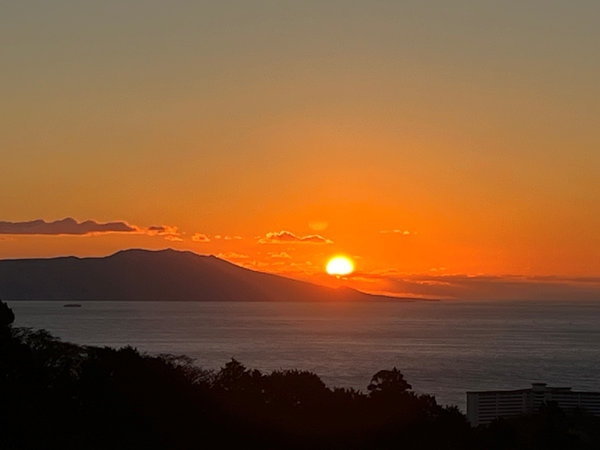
(449, 148)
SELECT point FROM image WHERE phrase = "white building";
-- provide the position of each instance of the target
(485, 406)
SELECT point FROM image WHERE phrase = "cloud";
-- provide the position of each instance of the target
(200, 237)
(169, 232)
(396, 231)
(70, 226)
(228, 238)
(301, 270)
(280, 255)
(489, 287)
(285, 237)
(161, 230)
(232, 256)
(65, 226)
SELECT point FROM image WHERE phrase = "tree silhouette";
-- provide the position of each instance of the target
(57, 395)
(7, 317)
(388, 382)
(235, 377)
(294, 388)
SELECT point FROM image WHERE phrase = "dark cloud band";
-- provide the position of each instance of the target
(487, 287)
(64, 226)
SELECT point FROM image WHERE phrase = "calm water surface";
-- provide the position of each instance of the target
(443, 348)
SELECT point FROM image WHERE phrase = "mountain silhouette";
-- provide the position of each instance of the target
(156, 275)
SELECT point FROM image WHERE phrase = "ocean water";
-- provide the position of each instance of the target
(443, 348)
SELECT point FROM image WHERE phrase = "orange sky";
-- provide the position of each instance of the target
(470, 130)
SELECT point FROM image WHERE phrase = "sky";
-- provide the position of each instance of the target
(451, 149)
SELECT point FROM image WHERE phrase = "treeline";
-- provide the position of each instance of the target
(60, 395)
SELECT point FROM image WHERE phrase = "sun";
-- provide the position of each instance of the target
(340, 265)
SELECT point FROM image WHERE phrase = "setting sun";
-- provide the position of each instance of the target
(340, 265)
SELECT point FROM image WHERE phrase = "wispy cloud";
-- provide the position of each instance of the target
(160, 230)
(486, 287)
(200, 237)
(228, 237)
(233, 256)
(397, 232)
(283, 266)
(169, 232)
(287, 237)
(279, 255)
(65, 226)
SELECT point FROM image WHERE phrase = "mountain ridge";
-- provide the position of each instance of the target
(158, 275)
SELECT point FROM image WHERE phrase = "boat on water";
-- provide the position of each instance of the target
(72, 305)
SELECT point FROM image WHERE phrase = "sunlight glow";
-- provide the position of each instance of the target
(340, 265)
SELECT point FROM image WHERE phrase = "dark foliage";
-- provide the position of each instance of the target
(7, 317)
(56, 395)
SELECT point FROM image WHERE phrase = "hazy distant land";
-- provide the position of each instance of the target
(145, 275)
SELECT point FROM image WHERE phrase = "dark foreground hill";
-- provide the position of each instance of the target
(156, 275)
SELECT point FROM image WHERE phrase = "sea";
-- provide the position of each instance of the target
(444, 348)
